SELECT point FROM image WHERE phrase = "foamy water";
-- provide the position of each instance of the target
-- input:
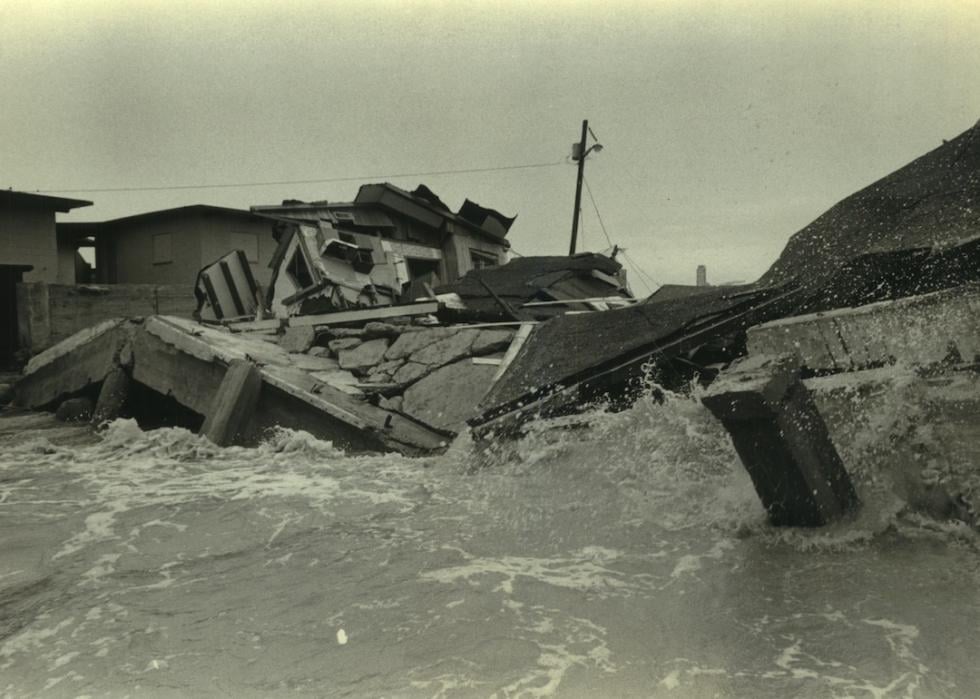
(615, 555)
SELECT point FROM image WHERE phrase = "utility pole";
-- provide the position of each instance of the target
(578, 185)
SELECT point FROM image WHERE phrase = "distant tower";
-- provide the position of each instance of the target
(702, 276)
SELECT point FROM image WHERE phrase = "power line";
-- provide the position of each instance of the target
(641, 274)
(594, 206)
(432, 173)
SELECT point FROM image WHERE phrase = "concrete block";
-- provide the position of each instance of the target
(233, 404)
(364, 356)
(413, 341)
(448, 396)
(112, 396)
(297, 339)
(782, 441)
(343, 343)
(74, 410)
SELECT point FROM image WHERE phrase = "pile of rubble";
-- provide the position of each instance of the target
(435, 375)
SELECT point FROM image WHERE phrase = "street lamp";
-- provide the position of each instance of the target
(580, 153)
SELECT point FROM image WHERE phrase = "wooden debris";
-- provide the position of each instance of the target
(366, 314)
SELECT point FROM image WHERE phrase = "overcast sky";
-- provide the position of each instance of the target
(726, 126)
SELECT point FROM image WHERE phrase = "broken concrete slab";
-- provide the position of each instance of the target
(446, 350)
(80, 361)
(298, 339)
(410, 372)
(782, 441)
(377, 329)
(343, 343)
(234, 403)
(113, 396)
(309, 362)
(363, 356)
(449, 396)
(410, 342)
(490, 341)
(385, 371)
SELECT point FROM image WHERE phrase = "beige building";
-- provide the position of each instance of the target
(172, 245)
(29, 251)
(28, 238)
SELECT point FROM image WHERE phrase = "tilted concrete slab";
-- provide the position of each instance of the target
(73, 365)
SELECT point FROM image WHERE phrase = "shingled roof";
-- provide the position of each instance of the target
(933, 202)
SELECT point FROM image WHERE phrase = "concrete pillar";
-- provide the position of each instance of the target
(233, 404)
(33, 316)
(112, 396)
(782, 441)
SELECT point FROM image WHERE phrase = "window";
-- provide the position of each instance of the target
(298, 270)
(482, 259)
(163, 248)
(247, 243)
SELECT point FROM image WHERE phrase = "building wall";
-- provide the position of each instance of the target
(49, 313)
(134, 247)
(457, 251)
(66, 263)
(27, 237)
(195, 241)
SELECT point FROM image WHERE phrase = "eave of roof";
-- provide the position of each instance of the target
(192, 209)
(41, 201)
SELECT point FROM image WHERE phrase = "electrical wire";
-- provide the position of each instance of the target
(643, 276)
(432, 173)
(639, 274)
(594, 206)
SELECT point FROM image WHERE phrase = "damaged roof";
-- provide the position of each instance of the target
(421, 204)
(523, 277)
(933, 202)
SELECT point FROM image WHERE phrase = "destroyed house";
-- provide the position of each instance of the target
(171, 245)
(408, 236)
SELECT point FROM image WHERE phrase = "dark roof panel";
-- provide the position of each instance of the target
(9, 197)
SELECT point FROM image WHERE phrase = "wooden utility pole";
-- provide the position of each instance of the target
(578, 186)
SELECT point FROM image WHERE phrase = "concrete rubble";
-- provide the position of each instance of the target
(343, 386)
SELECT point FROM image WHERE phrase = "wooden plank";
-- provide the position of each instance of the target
(520, 337)
(366, 314)
(232, 289)
(489, 361)
(234, 403)
(603, 299)
(273, 325)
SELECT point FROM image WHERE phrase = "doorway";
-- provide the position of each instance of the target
(10, 276)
